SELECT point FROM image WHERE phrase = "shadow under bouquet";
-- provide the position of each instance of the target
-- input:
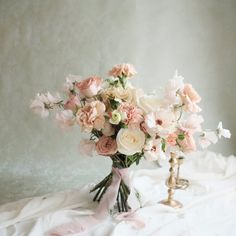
(125, 124)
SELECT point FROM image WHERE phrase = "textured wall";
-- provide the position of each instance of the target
(43, 41)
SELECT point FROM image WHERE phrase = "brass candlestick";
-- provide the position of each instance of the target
(180, 183)
(171, 184)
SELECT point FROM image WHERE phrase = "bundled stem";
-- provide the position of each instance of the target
(120, 162)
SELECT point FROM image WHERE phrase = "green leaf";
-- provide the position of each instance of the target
(181, 137)
(163, 145)
(114, 104)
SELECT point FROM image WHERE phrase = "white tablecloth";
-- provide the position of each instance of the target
(209, 204)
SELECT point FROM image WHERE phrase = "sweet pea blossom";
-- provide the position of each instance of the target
(192, 124)
(173, 87)
(91, 116)
(86, 147)
(73, 103)
(43, 102)
(70, 83)
(207, 138)
(159, 123)
(188, 143)
(65, 118)
(190, 99)
(221, 132)
(153, 150)
(90, 86)
(130, 141)
(121, 70)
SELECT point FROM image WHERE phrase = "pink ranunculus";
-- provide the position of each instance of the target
(188, 143)
(91, 116)
(72, 104)
(133, 114)
(90, 86)
(106, 146)
(171, 139)
(121, 70)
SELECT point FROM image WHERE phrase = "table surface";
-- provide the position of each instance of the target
(209, 204)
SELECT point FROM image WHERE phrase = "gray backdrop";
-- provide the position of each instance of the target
(43, 41)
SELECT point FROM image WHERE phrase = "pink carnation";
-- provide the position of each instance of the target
(90, 86)
(133, 114)
(106, 146)
(91, 116)
(121, 70)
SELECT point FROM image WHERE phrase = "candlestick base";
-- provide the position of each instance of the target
(182, 184)
(172, 203)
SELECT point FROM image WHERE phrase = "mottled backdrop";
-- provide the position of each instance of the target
(43, 41)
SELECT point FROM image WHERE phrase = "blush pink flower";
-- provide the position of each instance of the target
(171, 139)
(90, 86)
(121, 70)
(190, 99)
(188, 143)
(108, 130)
(106, 146)
(91, 116)
(133, 115)
(65, 118)
(86, 147)
(72, 104)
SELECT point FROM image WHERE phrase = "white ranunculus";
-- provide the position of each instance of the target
(149, 103)
(130, 141)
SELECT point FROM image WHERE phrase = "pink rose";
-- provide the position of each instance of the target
(106, 146)
(171, 139)
(188, 143)
(133, 114)
(90, 86)
(121, 70)
(72, 104)
(91, 116)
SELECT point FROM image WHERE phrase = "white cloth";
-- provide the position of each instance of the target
(209, 204)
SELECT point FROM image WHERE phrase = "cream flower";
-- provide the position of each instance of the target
(130, 141)
(223, 132)
(149, 103)
(207, 138)
(115, 117)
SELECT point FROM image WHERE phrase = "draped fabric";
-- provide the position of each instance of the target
(209, 205)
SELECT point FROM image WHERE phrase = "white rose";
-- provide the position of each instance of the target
(130, 141)
(149, 103)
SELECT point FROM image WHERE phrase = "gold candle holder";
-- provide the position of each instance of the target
(180, 183)
(172, 184)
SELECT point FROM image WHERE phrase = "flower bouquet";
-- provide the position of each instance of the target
(125, 124)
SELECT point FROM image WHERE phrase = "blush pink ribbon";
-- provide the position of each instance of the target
(102, 211)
